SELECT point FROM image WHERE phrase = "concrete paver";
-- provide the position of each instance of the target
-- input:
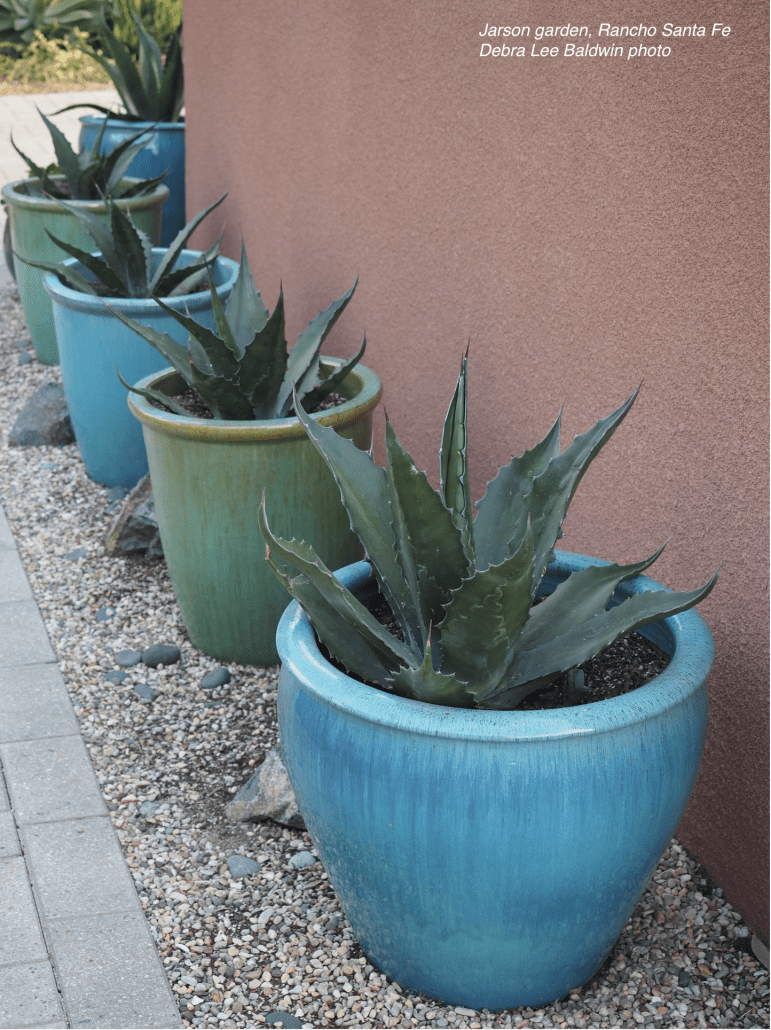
(29, 996)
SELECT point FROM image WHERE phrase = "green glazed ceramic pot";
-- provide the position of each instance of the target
(29, 218)
(208, 476)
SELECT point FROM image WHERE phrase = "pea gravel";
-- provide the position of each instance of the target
(245, 920)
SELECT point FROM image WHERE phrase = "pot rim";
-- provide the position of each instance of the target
(216, 430)
(139, 307)
(134, 126)
(692, 656)
(159, 194)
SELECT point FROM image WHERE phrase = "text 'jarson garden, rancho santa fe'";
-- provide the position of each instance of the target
(522, 43)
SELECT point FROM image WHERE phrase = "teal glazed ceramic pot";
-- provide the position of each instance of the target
(208, 477)
(164, 152)
(491, 859)
(93, 343)
(29, 218)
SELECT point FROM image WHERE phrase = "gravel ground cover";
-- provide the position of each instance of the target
(240, 939)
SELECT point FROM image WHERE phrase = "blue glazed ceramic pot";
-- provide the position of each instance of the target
(491, 859)
(93, 343)
(165, 152)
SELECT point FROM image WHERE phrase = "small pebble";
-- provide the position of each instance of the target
(301, 859)
(128, 658)
(25, 358)
(115, 676)
(216, 678)
(117, 493)
(76, 555)
(144, 693)
(103, 614)
(240, 865)
(161, 654)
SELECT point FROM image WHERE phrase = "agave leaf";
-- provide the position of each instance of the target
(150, 64)
(453, 462)
(123, 190)
(303, 361)
(66, 275)
(357, 618)
(502, 513)
(176, 355)
(99, 233)
(263, 365)
(583, 595)
(244, 310)
(316, 396)
(429, 544)
(587, 638)
(41, 174)
(171, 94)
(364, 489)
(65, 156)
(219, 357)
(123, 73)
(94, 264)
(427, 684)
(553, 490)
(485, 617)
(177, 245)
(117, 163)
(183, 281)
(135, 249)
(155, 395)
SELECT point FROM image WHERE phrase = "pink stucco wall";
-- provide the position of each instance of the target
(587, 223)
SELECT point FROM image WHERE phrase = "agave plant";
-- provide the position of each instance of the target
(243, 371)
(20, 19)
(152, 88)
(88, 174)
(463, 591)
(124, 268)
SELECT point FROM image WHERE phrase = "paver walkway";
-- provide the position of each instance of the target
(75, 947)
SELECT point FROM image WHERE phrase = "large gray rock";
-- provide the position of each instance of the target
(267, 795)
(135, 529)
(44, 421)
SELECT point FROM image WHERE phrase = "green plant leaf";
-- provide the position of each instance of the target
(390, 652)
(484, 619)
(316, 396)
(176, 355)
(135, 249)
(263, 365)
(502, 513)
(155, 395)
(219, 358)
(65, 156)
(171, 94)
(99, 232)
(365, 492)
(303, 361)
(244, 310)
(587, 638)
(94, 264)
(177, 245)
(579, 598)
(428, 685)
(453, 462)
(67, 276)
(429, 545)
(553, 490)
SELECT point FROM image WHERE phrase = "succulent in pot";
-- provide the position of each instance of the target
(485, 854)
(83, 179)
(152, 92)
(462, 590)
(128, 271)
(208, 472)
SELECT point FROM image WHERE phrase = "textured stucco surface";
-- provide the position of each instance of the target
(587, 223)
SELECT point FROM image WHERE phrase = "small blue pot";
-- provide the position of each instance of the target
(491, 859)
(93, 343)
(165, 152)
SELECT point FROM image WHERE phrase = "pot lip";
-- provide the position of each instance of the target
(134, 126)
(158, 195)
(220, 430)
(140, 307)
(691, 661)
